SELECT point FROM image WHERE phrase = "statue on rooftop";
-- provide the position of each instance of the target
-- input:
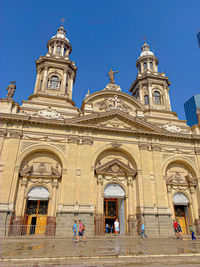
(111, 75)
(11, 89)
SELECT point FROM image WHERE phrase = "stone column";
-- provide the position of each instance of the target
(44, 84)
(54, 48)
(194, 203)
(53, 200)
(150, 95)
(70, 85)
(37, 81)
(130, 195)
(21, 196)
(63, 88)
(99, 194)
(169, 194)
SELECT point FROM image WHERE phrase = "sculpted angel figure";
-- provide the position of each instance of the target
(11, 89)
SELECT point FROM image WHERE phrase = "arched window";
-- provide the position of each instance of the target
(58, 49)
(157, 97)
(145, 65)
(146, 99)
(151, 65)
(54, 82)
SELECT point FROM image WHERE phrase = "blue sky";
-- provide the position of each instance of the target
(103, 34)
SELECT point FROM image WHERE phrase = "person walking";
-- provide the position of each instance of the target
(143, 231)
(192, 233)
(175, 225)
(81, 231)
(116, 225)
(74, 229)
(179, 230)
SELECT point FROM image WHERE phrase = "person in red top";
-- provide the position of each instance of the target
(175, 224)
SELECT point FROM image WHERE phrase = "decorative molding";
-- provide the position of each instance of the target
(155, 147)
(197, 150)
(115, 168)
(177, 179)
(116, 144)
(47, 113)
(3, 132)
(169, 126)
(25, 144)
(73, 139)
(165, 156)
(16, 134)
(113, 87)
(143, 146)
(113, 103)
(40, 170)
(78, 172)
(6, 207)
(87, 140)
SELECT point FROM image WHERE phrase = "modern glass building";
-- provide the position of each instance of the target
(190, 109)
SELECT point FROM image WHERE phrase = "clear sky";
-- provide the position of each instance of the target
(103, 34)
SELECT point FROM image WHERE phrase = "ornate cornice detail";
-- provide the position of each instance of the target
(41, 170)
(111, 86)
(73, 139)
(197, 150)
(143, 146)
(155, 147)
(116, 168)
(116, 144)
(16, 134)
(47, 113)
(3, 132)
(87, 140)
(169, 126)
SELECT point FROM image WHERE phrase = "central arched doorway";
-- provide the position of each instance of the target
(182, 211)
(114, 207)
(36, 210)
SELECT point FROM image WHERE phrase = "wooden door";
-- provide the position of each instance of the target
(110, 208)
(180, 216)
(36, 209)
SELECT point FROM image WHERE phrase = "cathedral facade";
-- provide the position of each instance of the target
(120, 156)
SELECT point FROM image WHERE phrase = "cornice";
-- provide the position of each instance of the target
(66, 124)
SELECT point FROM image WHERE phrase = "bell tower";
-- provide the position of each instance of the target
(56, 73)
(150, 87)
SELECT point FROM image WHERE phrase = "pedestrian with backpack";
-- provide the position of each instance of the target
(74, 229)
(81, 231)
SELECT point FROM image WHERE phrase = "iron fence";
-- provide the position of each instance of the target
(30, 230)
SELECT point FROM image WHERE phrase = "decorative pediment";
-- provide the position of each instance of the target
(41, 169)
(116, 120)
(113, 103)
(178, 179)
(115, 167)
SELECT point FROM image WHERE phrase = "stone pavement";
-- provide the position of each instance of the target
(101, 251)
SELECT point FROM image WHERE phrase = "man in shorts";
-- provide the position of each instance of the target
(81, 231)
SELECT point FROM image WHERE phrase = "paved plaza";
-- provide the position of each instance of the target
(101, 251)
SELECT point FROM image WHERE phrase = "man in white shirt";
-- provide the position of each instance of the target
(116, 225)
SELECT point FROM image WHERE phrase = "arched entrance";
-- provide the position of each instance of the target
(182, 211)
(114, 207)
(37, 210)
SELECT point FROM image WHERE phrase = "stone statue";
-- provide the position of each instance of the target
(11, 89)
(111, 75)
(198, 114)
